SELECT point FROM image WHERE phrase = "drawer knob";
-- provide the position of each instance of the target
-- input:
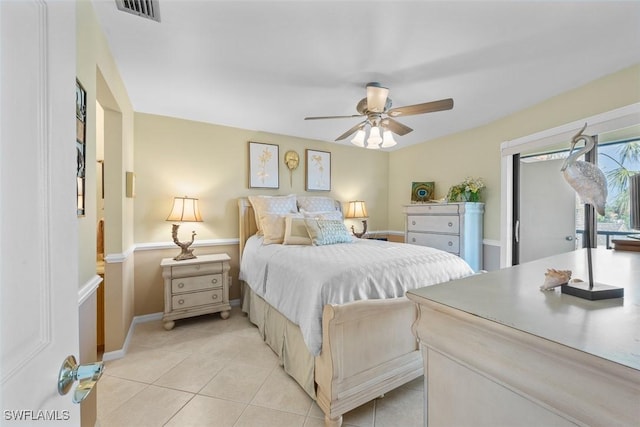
(450, 224)
(413, 239)
(450, 243)
(181, 301)
(214, 296)
(197, 266)
(181, 285)
(214, 281)
(413, 223)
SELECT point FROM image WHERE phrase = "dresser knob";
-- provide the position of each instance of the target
(181, 285)
(197, 266)
(450, 224)
(450, 243)
(214, 296)
(214, 281)
(413, 239)
(181, 301)
(413, 223)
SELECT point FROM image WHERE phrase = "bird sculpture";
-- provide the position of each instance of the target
(585, 178)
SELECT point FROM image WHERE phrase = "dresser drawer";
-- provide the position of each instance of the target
(448, 243)
(432, 209)
(195, 299)
(188, 284)
(196, 269)
(437, 223)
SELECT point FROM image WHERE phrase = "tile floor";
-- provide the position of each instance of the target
(213, 372)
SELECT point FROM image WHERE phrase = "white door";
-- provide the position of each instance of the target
(38, 223)
(547, 211)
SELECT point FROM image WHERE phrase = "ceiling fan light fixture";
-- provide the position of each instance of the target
(387, 139)
(374, 139)
(359, 138)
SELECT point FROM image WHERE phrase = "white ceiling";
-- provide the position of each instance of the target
(265, 65)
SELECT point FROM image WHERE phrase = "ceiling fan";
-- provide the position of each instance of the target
(376, 107)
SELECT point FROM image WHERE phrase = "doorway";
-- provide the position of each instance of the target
(547, 209)
(555, 139)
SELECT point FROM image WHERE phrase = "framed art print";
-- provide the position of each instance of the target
(318, 165)
(81, 155)
(263, 165)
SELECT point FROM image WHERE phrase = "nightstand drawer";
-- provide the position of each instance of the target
(439, 241)
(197, 298)
(438, 223)
(188, 284)
(196, 269)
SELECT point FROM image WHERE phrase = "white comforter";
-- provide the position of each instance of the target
(300, 280)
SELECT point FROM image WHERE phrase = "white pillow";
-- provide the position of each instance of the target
(295, 231)
(272, 204)
(316, 203)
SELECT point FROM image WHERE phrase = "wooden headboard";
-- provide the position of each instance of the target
(247, 220)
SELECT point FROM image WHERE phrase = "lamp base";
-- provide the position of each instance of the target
(364, 230)
(185, 254)
(597, 292)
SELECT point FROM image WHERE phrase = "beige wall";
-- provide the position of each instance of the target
(98, 73)
(476, 152)
(175, 157)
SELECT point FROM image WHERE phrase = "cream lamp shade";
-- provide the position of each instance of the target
(356, 209)
(185, 209)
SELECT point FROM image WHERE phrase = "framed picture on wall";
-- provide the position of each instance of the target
(318, 166)
(263, 165)
(81, 155)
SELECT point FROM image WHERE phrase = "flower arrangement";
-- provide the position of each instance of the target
(467, 191)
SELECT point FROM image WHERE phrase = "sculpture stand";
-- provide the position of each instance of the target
(591, 290)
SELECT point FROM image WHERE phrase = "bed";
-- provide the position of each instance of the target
(344, 346)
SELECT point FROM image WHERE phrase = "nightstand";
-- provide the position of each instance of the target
(195, 286)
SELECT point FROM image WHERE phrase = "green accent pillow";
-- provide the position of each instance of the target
(327, 231)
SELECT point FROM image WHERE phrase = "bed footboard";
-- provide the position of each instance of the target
(368, 349)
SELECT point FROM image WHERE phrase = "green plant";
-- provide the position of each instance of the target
(467, 191)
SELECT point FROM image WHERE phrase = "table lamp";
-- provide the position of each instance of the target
(185, 209)
(355, 210)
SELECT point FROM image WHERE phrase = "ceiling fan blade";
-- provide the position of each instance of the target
(376, 97)
(427, 107)
(351, 131)
(333, 117)
(395, 126)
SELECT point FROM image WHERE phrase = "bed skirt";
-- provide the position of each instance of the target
(284, 337)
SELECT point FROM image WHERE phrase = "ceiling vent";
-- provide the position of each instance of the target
(145, 8)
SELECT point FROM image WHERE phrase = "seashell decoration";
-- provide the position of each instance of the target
(554, 278)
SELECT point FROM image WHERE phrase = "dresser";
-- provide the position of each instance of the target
(451, 227)
(195, 286)
(498, 351)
